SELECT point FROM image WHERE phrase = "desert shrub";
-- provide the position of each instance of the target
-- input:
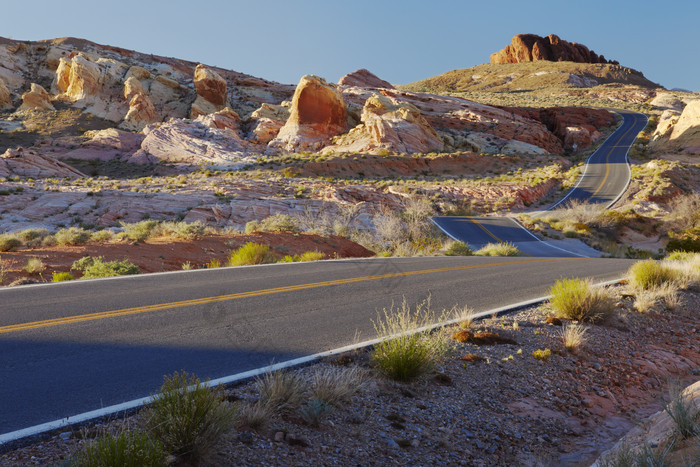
(465, 316)
(312, 256)
(183, 230)
(34, 266)
(684, 242)
(9, 243)
(94, 267)
(62, 276)
(71, 236)
(649, 274)
(3, 271)
(681, 256)
(498, 249)
(125, 449)
(32, 237)
(580, 300)
(101, 236)
(274, 223)
(315, 411)
(251, 253)
(188, 417)
(281, 390)
(408, 350)
(458, 249)
(334, 385)
(139, 231)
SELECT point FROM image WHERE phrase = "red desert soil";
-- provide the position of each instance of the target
(159, 255)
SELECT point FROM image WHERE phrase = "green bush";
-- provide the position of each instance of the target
(498, 249)
(125, 449)
(9, 243)
(312, 256)
(406, 353)
(101, 236)
(579, 300)
(251, 253)
(139, 231)
(274, 223)
(72, 236)
(62, 276)
(650, 274)
(93, 268)
(459, 249)
(188, 417)
(32, 235)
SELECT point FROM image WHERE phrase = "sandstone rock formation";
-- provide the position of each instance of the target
(317, 114)
(364, 79)
(141, 111)
(687, 130)
(269, 120)
(36, 99)
(5, 99)
(225, 119)
(26, 163)
(531, 47)
(78, 79)
(667, 120)
(389, 125)
(211, 91)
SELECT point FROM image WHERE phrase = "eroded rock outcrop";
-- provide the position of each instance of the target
(317, 114)
(678, 131)
(531, 48)
(211, 91)
(269, 119)
(687, 130)
(36, 99)
(5, 99)
(141, 111)
(363, 78)
(389, 125)
(26, 163)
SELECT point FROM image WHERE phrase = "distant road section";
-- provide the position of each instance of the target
(604, 180)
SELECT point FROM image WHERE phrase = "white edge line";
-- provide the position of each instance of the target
(585, 170)
(114, 409)
(627, 164)
(545, 242)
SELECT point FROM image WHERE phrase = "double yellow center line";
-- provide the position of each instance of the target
(607, 158)
(254, 293)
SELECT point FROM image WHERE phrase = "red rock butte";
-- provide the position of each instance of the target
(531, 48)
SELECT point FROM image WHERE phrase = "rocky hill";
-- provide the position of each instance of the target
(532, 48)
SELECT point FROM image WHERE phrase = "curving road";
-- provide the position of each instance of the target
(72, 347)
(604, 180)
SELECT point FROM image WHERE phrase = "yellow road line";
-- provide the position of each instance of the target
(607, 158)
(490, 234)
(235, 296)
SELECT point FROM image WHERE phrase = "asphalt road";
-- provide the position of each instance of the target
(604, 180)
(72, 347)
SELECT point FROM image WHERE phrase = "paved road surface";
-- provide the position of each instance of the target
(73, 347)
(604, 180)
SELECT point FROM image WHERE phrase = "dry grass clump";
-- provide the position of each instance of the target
(579, 300)
(573, 336)
(580, 213)
(649, 274)
(334, 385)
(409, 349)
(498, 249)
(465, 316)
(34, 266)
(255, 416)
(274, 223)
(281, 390)
(189, 417)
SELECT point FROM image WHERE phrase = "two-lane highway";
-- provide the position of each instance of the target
(604, 180)
(68, 348)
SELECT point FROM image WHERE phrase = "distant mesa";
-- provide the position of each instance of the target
(532, 48)
(363, 78)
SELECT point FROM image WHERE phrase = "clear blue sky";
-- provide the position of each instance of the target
(400, 41)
